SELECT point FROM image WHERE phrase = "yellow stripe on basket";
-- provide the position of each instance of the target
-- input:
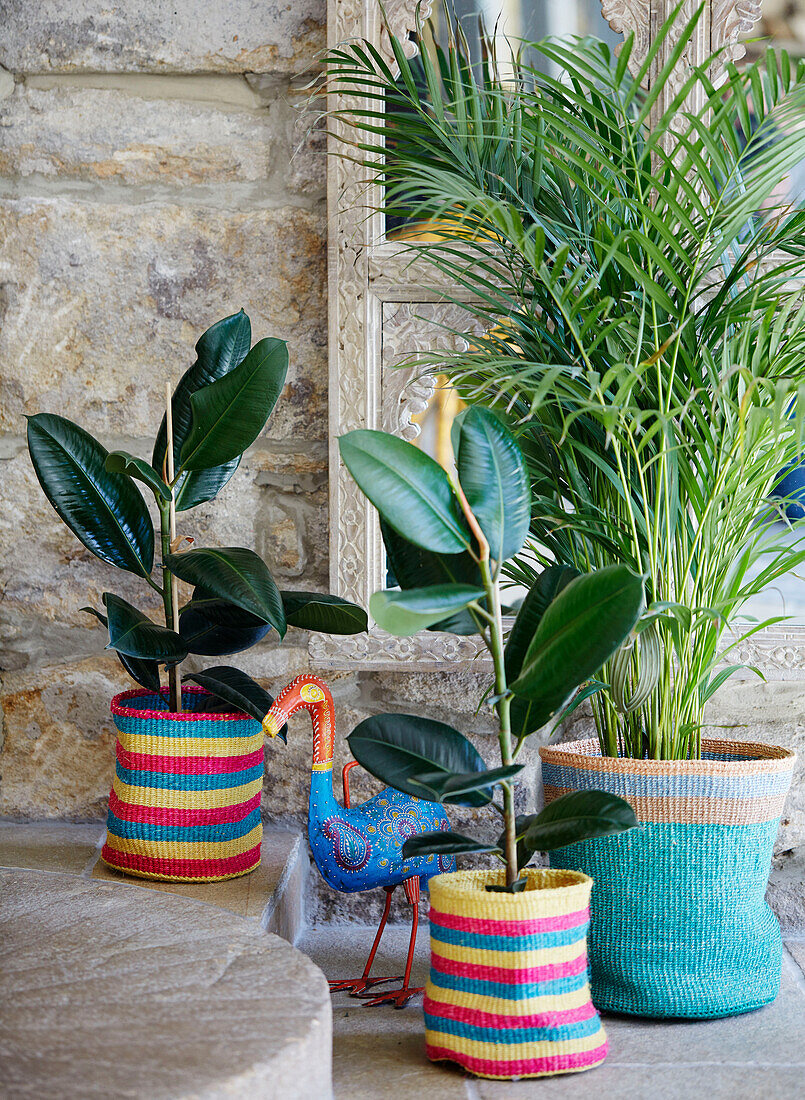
(513, 1052)
(186, 800)
(186, 849)
(190, 746)
(512, 960)
(549, 1002)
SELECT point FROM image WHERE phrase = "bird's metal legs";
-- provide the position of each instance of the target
(398, 997)
(357, 985)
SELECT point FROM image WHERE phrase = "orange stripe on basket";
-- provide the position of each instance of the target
(694, 811)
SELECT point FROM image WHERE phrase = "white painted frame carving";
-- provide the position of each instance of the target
(371, 279)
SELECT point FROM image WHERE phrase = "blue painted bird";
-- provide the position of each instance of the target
(360, 847)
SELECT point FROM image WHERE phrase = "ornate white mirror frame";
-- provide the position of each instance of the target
(378, 313)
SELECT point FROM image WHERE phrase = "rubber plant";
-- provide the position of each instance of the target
(218, 409)
(447, 540)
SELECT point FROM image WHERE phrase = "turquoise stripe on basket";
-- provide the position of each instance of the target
(512, 1034)
(664, 786)
(168, 781)
(509, 991)
(529, 942)
(203, 834)
(158, 727)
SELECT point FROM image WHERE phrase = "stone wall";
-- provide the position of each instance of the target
(157, 173)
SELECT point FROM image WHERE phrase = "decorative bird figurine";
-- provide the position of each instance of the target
(360, 847)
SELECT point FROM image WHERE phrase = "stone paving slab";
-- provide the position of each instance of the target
(272, 895)
(50, 846)
(110, 992)
(378, 1051)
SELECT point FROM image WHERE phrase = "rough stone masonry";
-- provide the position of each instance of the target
(157, 172)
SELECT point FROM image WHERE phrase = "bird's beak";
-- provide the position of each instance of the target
(270, 725)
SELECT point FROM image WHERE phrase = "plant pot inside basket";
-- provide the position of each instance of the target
(185, 803)
(680, 926)
(508, 994)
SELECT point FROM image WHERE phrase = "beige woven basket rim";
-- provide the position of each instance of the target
(761, 759)
(546, 881)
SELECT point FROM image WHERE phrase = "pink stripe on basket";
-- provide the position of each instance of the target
(188, 765)
(159, 815)
(521, 1067)
(477, 1018)
(183, 868)
(509, 975)
(509, 927)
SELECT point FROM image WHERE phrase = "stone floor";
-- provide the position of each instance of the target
(379, 1052)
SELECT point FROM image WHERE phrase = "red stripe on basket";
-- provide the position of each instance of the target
(520, 1067)
(188, 765)
(509, 975)
(160, 815)
(504, 1020)
(509, 927)
(182, 868)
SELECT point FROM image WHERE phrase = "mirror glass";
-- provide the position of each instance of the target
(782, 25)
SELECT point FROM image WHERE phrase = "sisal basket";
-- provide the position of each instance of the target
(508, 994)
(680, 926)
(185, 804)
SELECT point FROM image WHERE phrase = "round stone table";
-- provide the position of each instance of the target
(111, 991)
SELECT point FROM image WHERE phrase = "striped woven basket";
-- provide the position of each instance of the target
(680, 925)
(508, 994)
(185, 804)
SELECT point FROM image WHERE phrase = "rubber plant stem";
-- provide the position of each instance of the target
(168, 532)
(503, 707)
(494, 644)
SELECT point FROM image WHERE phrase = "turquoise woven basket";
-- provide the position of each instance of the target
(679, 922)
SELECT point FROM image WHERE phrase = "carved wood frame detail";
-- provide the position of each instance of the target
(378, 311)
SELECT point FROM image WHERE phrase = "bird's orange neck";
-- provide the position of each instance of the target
(308, 692)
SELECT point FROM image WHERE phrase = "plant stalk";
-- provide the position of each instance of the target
(494, 643)
(503, 708)
(168, 533)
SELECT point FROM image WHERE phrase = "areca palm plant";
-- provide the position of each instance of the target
(634, 277)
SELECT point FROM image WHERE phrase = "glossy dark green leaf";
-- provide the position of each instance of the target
(405, 612)
(410, 491)
(229, 414)
(440, 787)
(545, 588)
(322, 612)
(121, 462)
(238, 689)
(104, 510)
(493, 475)
(581, 628)
(414, 567)
(198, 486)
(235, 574)
(143, 672)
(221, 348)
(581, 815)
(135, 635)
(397, 748)
(443, 844)
(214, 627)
